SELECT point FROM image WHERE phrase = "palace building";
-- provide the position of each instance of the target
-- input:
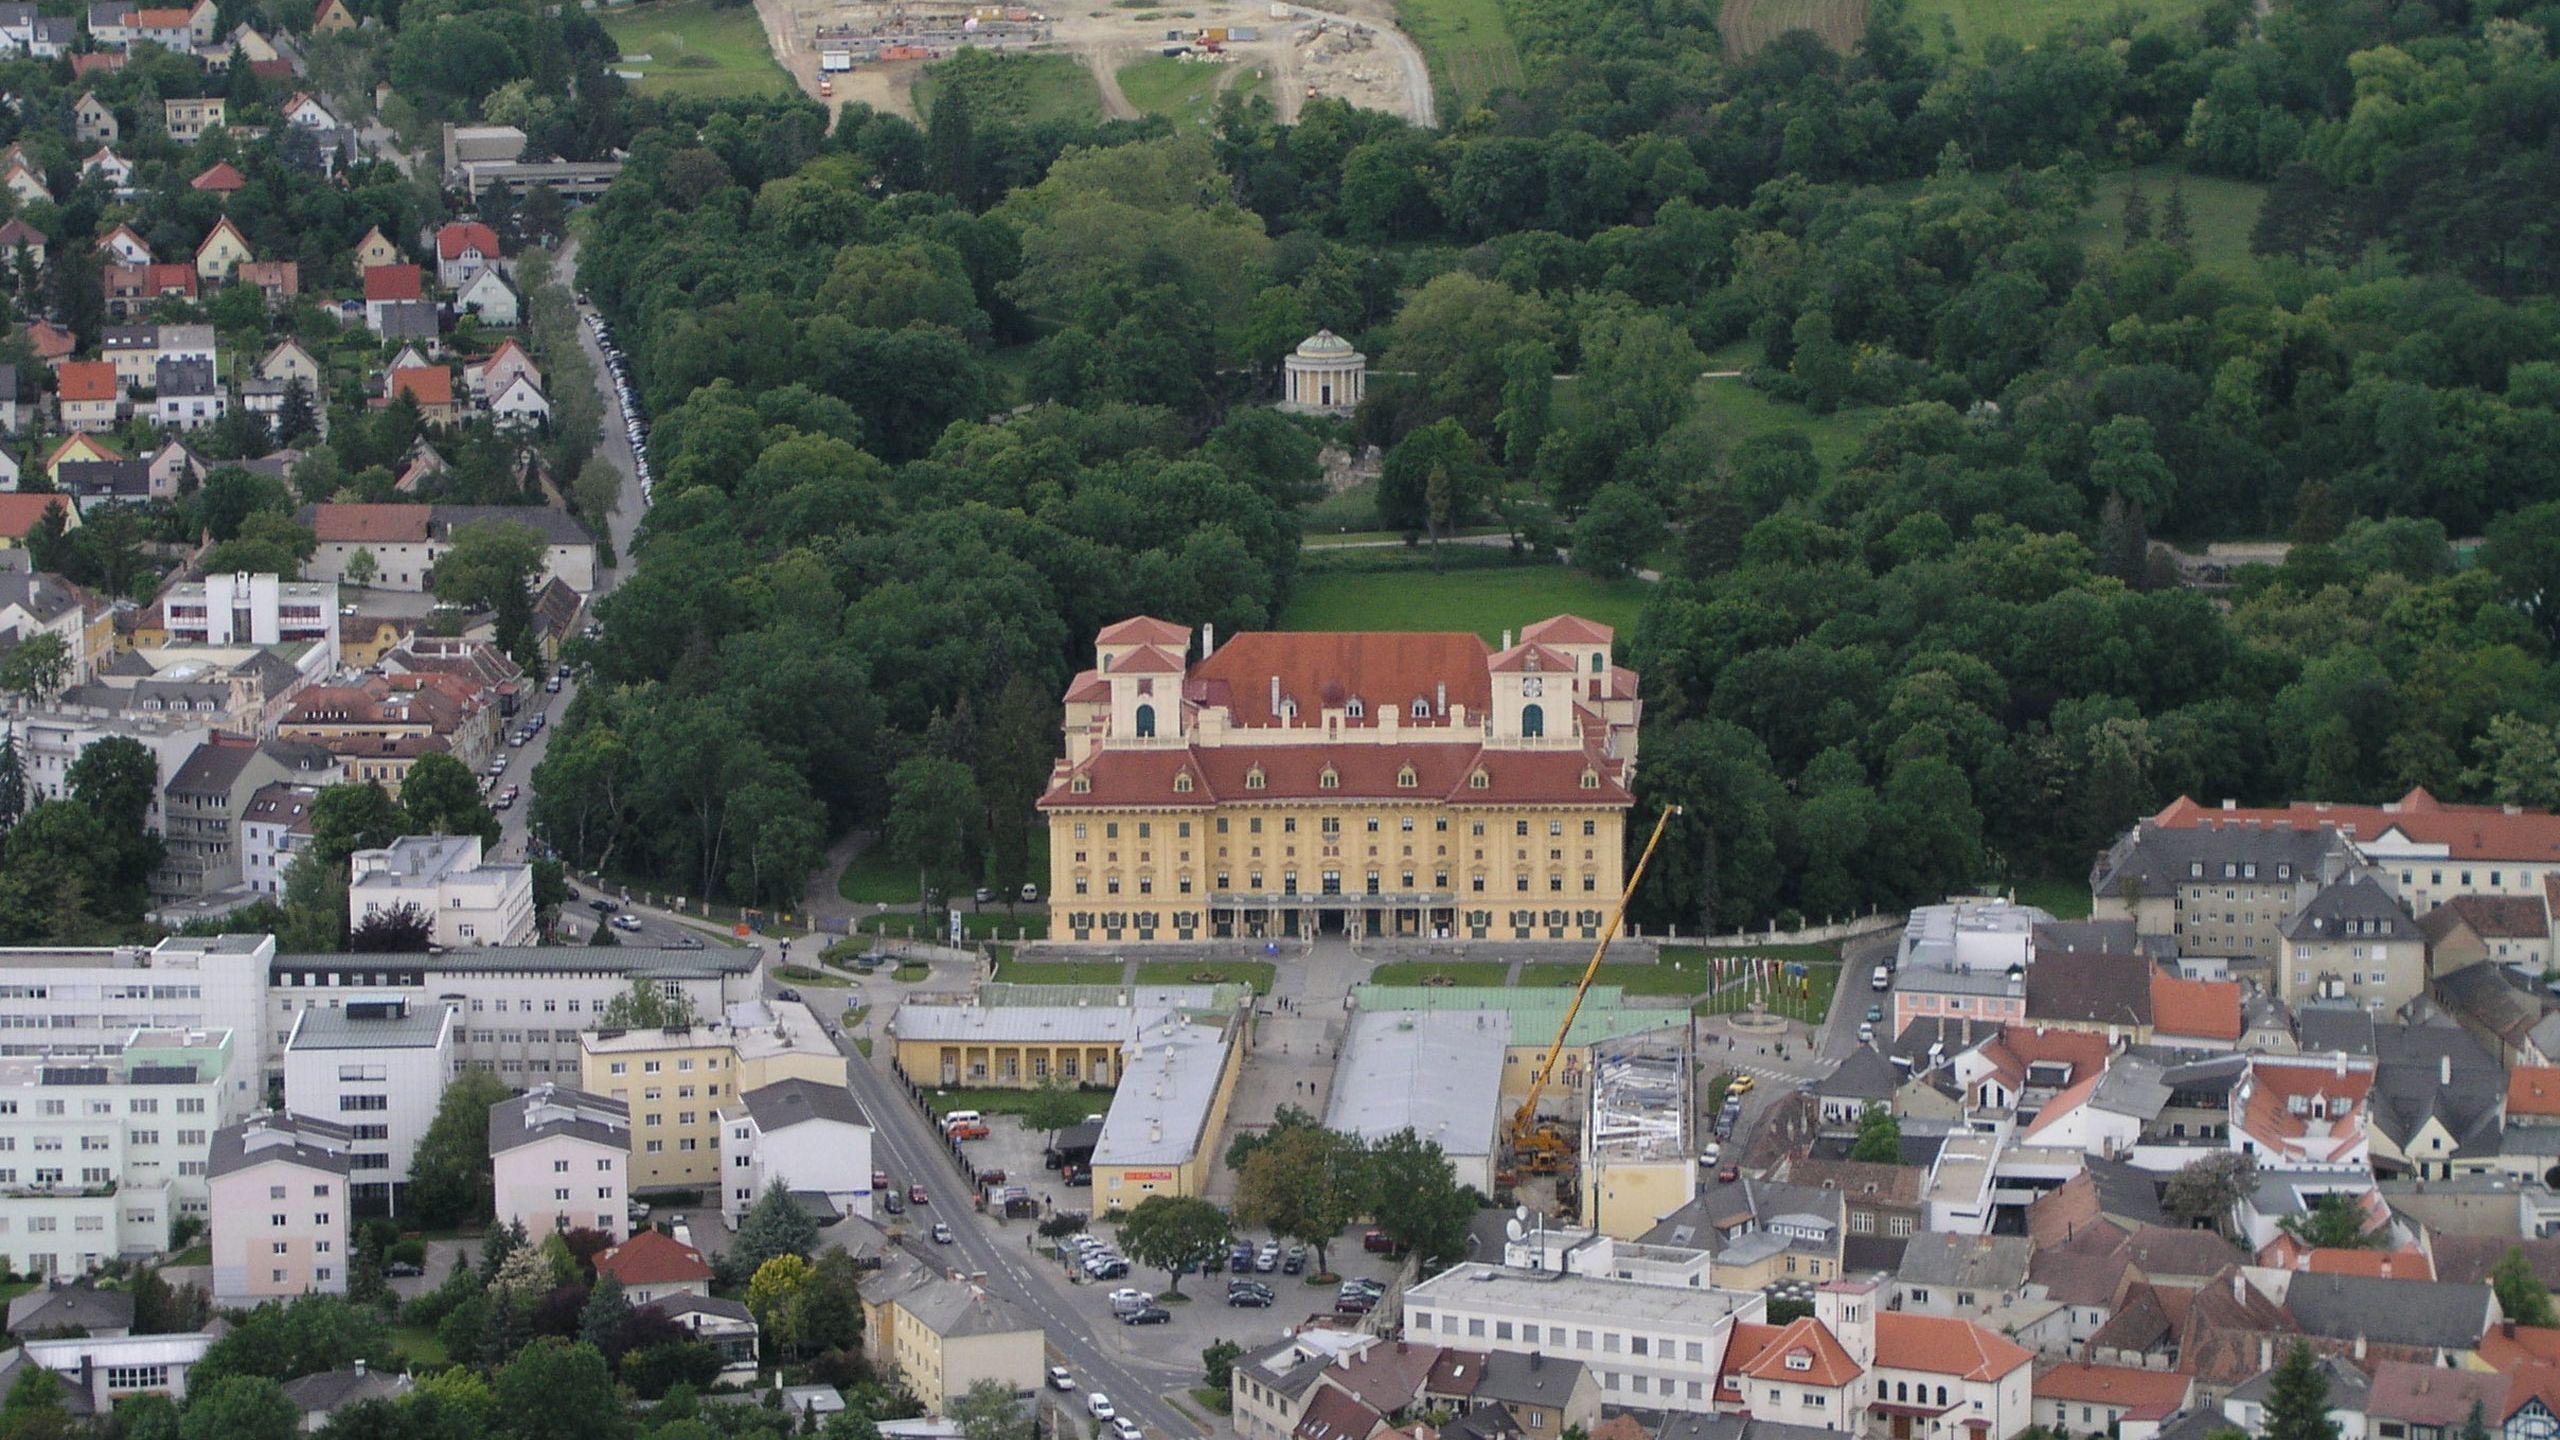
(1349, 783)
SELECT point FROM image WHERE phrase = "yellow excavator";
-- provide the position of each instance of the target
(1541, 1150)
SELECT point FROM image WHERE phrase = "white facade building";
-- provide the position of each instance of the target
(49, 741)
(443, 877)
(280, 1197)
(277, 825)
(89, 1002)
(561, 1159)
(99, 1157)
(806, 1135)
(1653, 1346)
(377, 1066)
(245, 609)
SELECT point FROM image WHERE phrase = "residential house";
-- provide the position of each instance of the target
(134, 351)
(224, 250)
(2215, 888)
(520, 405)
(490, 377)
(281, 1182)
(92, 484)
(562, 1161)
(117, 171)
(406, 540)
(20, 514)
(1546, 1395)
(131, 289)
(2469, 930)
(275, 828)
(114, 1148)
(187, 120)
(471, 902)
(51, 343)
(331, 16)
(168, 28)
(727, 1328)
(33, 604)
(390, 293)
(93, 121)
(1275, 1383)
(381, 1062)
(2086, 1399)
(652, 1266)
(221, 178)
(2349, 1391)
(1865, 1079)
(322, 1395)
(2093, 991)
(2196, 1014)
(379, 730)
(12, 414)
(25, 184)
(23, 244)
(375, 250)
(303, 111)
(54, 37)
(678, 1081)
(939, 1336)
(431, 386)
(809, 1136)
(464, 249)
(103, 1314)
(90, 395)
(2304, 1111)
(174, 468)
(2425, 850)
(2354, 941)
(2414, 1401)
(486, 295)
(1965, 1276)
(277, 280)
(187, 396)
(289, 361)
(2441, 1317)
(97, 1374)
(201, 807)
(2436, 1103)
(122, 246)
(1878, 1201)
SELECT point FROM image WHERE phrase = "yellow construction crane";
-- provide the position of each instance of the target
(1543, 1152)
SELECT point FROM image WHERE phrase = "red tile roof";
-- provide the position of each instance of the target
(370, 524)
(2469, 832)
(2201, 1009)
(2112, 1385)
(2509, 1345)
(2533, 1090)
(2286, 1253)
(20, 513)
(1442, 773)
(168, 19)
(394, 282)
(1944, 1347)
(223, 178)
(1745, 1345)
(651, 1258)
(1317, 668)
(1569, 630)
(1820, 1359)
(430, 384)
(18, 232)
(84, 380)
(50, 341)
(2269, 1116)
(463, 235)
(97, 61)
(1144, 630)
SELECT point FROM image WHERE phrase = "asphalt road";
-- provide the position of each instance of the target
(904, 1144)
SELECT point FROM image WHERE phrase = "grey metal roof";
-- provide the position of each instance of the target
(184, 378)
(950, 1309)
(1865, 1075)
(2325, 1028)
(334, 1390)
(1161, 1109)
(1436, 1073)
(561, 1109)
(2438, 1072)
(1292, 1379)
(1009, 1023)
(85, 1307)
(691, 1304)
(789, 1102)
(2159, 859)
(361, 1027)
(1516, 1379)
(710, 962)
(2089, 988)
(232, 1151)
(556, 527)
(2347, 1385)
(2353, 908)
(2395, 1312)
(2131, 1086)
(1983, 1262)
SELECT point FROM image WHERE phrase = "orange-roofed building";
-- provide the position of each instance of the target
(2305, 1108)
(1347, 782)
(2195, 1014)
(22, 513)
(2533, 1095)
(1795, 1374)
(2509, 1345)
(2286, 1253)
(223, 179)
(2086, 1399)
(430, 385)
(652, 1266)
(91, 396)
(51, 343)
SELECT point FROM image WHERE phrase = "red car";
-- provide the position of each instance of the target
(879, 1179)
(990, 1177)
(916, 1196)
(1728, 1175)
(1377, 1243)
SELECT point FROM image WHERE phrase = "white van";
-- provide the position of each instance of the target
(959, 1118)
(1884, 978)
(684, 1234)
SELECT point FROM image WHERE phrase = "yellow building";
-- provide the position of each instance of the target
(1358, 783)
(1011, 1047)
(939, 1336)
(674, 1081)
(1638, 1162)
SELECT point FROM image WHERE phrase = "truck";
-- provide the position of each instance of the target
(834, 62)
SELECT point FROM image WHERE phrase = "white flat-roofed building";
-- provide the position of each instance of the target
(1649, 1346)
(1437, 1073)
(71, 1002)
(98, 1156)
(1160, 1133)
(809, 1136)
(1977, 935)
(561, 1159)
(280, 1195)
(378, 1066)
(246, 609)
(469, 901)
(523, 1007)
(106, 1371)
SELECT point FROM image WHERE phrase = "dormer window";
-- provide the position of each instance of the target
(2294, 1104)
(1081, 785)
(1480, 780)
(1355, 709)
(1799, 1360)
(1590, 778)
(1421, 708)
(2338, 1108)
(1328, 780)
(1253, 778)
(1182, 783)
(1288, 709)
(1406, 779)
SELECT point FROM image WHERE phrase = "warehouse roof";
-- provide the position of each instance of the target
(1436, 1073)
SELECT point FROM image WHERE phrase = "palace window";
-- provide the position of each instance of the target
(1253, 778)
(1590, 779)
(1182, 783)
(1355, 709)
(1406, 779)
(1480, 781)
(1328, 780)
(1081, 785)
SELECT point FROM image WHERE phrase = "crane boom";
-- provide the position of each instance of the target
(1523, 1122)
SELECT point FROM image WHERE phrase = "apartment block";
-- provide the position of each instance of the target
(99, 1157)
(676, 1082)
(469, 901)
(245, 609)
(803, 1135)
(377, 1066)
(73, 1003)
(280, 1194)
(561, 1159)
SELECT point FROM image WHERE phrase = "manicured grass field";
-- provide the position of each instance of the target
(875, 879)
(1750, 24)
(1460, 972)
(1060, 972)
(1002, 1102)
(1256, 973)
(2025, 20)
(991, 923)
(696, 48)
(1740, 412)
(419, 1346)
(1025, 89)
(1822, 980)
(2062, 899)
(1352, 510)
(1468, 47)
(1162, 85)
(1402, 593)
(2221, 213)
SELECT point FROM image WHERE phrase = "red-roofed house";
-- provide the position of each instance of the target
(51, 343)
(2303, 1108)
(130, 289)
(2194, 1014)
(17, 235)
(330, 16)
(222, 179)
(464, 249)
(389, 285)
(21, 513)
(2533, 1095)
(2086, 1399)
(2286, 1253)
(91, 396)
(1800, 1374)
(430, 385)
(1530, 746)
(651, 1267)
(2432, 850)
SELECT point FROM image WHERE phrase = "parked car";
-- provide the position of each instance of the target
(941, 1233)
(1377, 1243)
(984, 895)
(1125, 1298)
(1882, 980)
(1728, 1175)
(402, 1270)
(1294, 1261)
(628, 924)
(603, 906)
(990, 1177)
(1059, 1379)
(1364, 1286)
(1267, 1259)
(1098, 1405)
(1152, 1315)
(1240, 1258)
(891, 1203)
(1353, 1305)
(1875, 1014)
(787, 993)
(1250, 1299)
(1030, 894)
(1124, 1428)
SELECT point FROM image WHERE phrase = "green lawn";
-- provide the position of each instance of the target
(1025, 89)
(1396, 590)
(2062, 899)
(1004, 1102)
(1256, 973)
(2030, 20)
(1468, 46)
(696, 48)
(418, 1345)
(1163, 85)
(1821, 976)
(2221, 212)
(201, 1254)
(1061, 972)
(875, 879)
(803, 975)
(1739, 412)
(1460, 972)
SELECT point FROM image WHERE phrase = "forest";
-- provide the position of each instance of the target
(1956, 657)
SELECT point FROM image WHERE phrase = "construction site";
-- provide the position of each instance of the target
(874, 52)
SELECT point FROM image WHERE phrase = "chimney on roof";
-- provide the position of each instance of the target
(2338, 1059)
(1208, 640)
(359, 1367)
(2507, 1328)
(2444, 1069)
(2239, 1289)
(2266, 1353)
(2359, 1349)
(1275, 697)
(1536, 1359)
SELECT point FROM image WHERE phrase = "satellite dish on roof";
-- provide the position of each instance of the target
(1519, 1212)
(1513, 1229)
